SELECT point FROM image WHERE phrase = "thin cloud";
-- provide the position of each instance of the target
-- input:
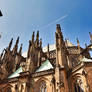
(54, 22)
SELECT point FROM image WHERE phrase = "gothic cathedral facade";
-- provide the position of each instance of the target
(61, 67)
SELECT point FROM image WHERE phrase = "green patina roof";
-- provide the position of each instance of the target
(16, 73)
(45, 66)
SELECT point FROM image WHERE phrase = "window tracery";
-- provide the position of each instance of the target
(9, 90)
(78, 86)
(43, 87)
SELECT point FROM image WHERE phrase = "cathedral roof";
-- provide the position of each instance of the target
(45, 66)
(16, 73)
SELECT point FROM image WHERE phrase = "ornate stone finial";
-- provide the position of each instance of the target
(10, 44)
(59, 37)
(37, 36)
(90, 37)
(58, 32)
(17, 41)
(37, 39)
(40, 43)
(33, 35)
(20, 50)
(78, 44)
(58, 28)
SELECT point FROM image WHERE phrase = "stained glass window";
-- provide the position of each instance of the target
(77, 88)
(9, 90)
(43, 87)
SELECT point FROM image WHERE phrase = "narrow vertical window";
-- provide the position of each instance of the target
(77, 88)
(9, 90)
(43, 87)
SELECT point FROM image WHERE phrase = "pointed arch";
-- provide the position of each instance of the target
(77, 83)
(7, 88)
(41, 85)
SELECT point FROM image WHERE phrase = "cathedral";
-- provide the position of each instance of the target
(61, 67)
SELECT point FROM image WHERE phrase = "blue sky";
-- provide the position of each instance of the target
(22, 17)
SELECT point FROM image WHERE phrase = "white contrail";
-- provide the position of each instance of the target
(53, 22)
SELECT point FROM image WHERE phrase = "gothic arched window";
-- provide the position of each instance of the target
(9, 90)
(77, 88)
(43, 87)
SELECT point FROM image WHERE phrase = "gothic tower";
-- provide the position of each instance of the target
(61, 62)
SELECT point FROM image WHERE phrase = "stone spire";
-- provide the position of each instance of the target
(37, 36)
(10, 44)
(78, 44)
(37, 39)
(48, 53)
(20, 50)
(33, 35)
(30, 43)
(16, 46)
(90, 37)
(1, 55)
(58, 28)
(40, 43)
